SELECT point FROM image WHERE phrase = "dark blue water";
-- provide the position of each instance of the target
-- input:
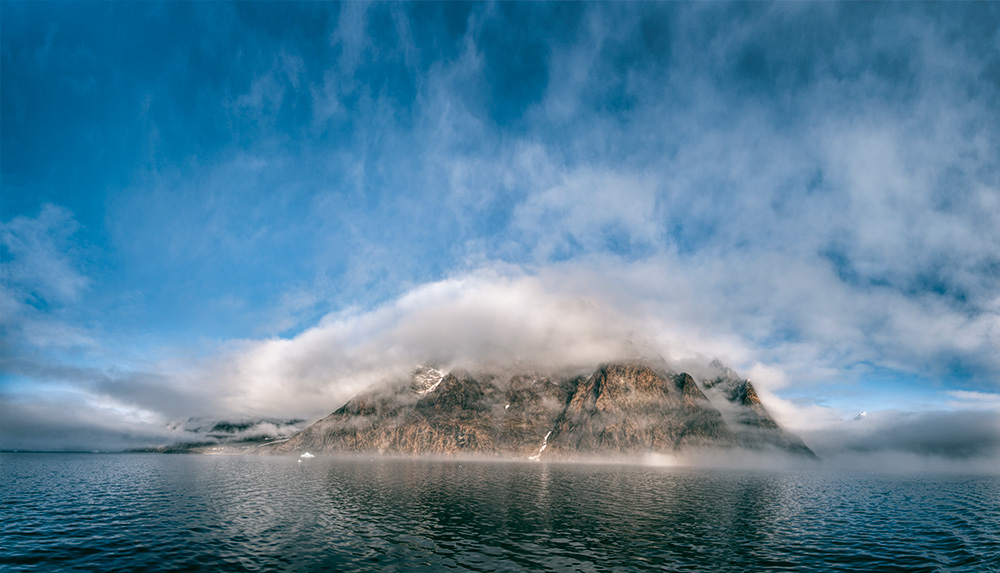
(133, 512)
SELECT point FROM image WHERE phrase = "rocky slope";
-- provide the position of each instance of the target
(621, 409)
(746, 414)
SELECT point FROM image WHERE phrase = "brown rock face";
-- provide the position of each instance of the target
(531, 407)
(629, 408)
(621, 409)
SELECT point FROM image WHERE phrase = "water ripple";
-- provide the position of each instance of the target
(173, 513)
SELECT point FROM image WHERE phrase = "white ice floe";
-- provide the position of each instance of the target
(307, 455)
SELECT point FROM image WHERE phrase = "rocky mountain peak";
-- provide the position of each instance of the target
(622, 408)
(425, 379)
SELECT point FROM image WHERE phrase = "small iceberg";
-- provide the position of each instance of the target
(307, 455)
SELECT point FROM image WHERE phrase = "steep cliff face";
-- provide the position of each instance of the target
(532, 406)
(621, 409)
(630, 408)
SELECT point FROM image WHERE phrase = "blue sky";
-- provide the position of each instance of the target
(257, 208)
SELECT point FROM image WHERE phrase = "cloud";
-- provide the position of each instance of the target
(568, 316)
(482, 318)
(593, 210)
(808, 192)
(38, 267)
(967, 400)
(945, 435)
(582, 312)
(63, 422)
(41, 283)
(832, 166)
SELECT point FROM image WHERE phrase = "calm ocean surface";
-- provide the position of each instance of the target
(149, 512)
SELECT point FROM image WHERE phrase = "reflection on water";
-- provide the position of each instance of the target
(156, 512)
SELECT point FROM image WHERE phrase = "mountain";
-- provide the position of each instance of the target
(621, 409)
(199, 435)
(746, 414)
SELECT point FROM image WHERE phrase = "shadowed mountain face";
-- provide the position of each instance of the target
(746, 414)
(621, 409)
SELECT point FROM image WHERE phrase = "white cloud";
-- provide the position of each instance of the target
(969, 400)
(39, 264)
(41, 284)
(480, 318)
(582, 312)
(586, 208)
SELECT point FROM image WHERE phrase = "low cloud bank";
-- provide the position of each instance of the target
(958, 440)
(954, 435)
(49, 426)
(37, 424)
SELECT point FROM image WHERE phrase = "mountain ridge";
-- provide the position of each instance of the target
(621, 409)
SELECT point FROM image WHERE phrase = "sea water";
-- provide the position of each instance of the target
(149, 512)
